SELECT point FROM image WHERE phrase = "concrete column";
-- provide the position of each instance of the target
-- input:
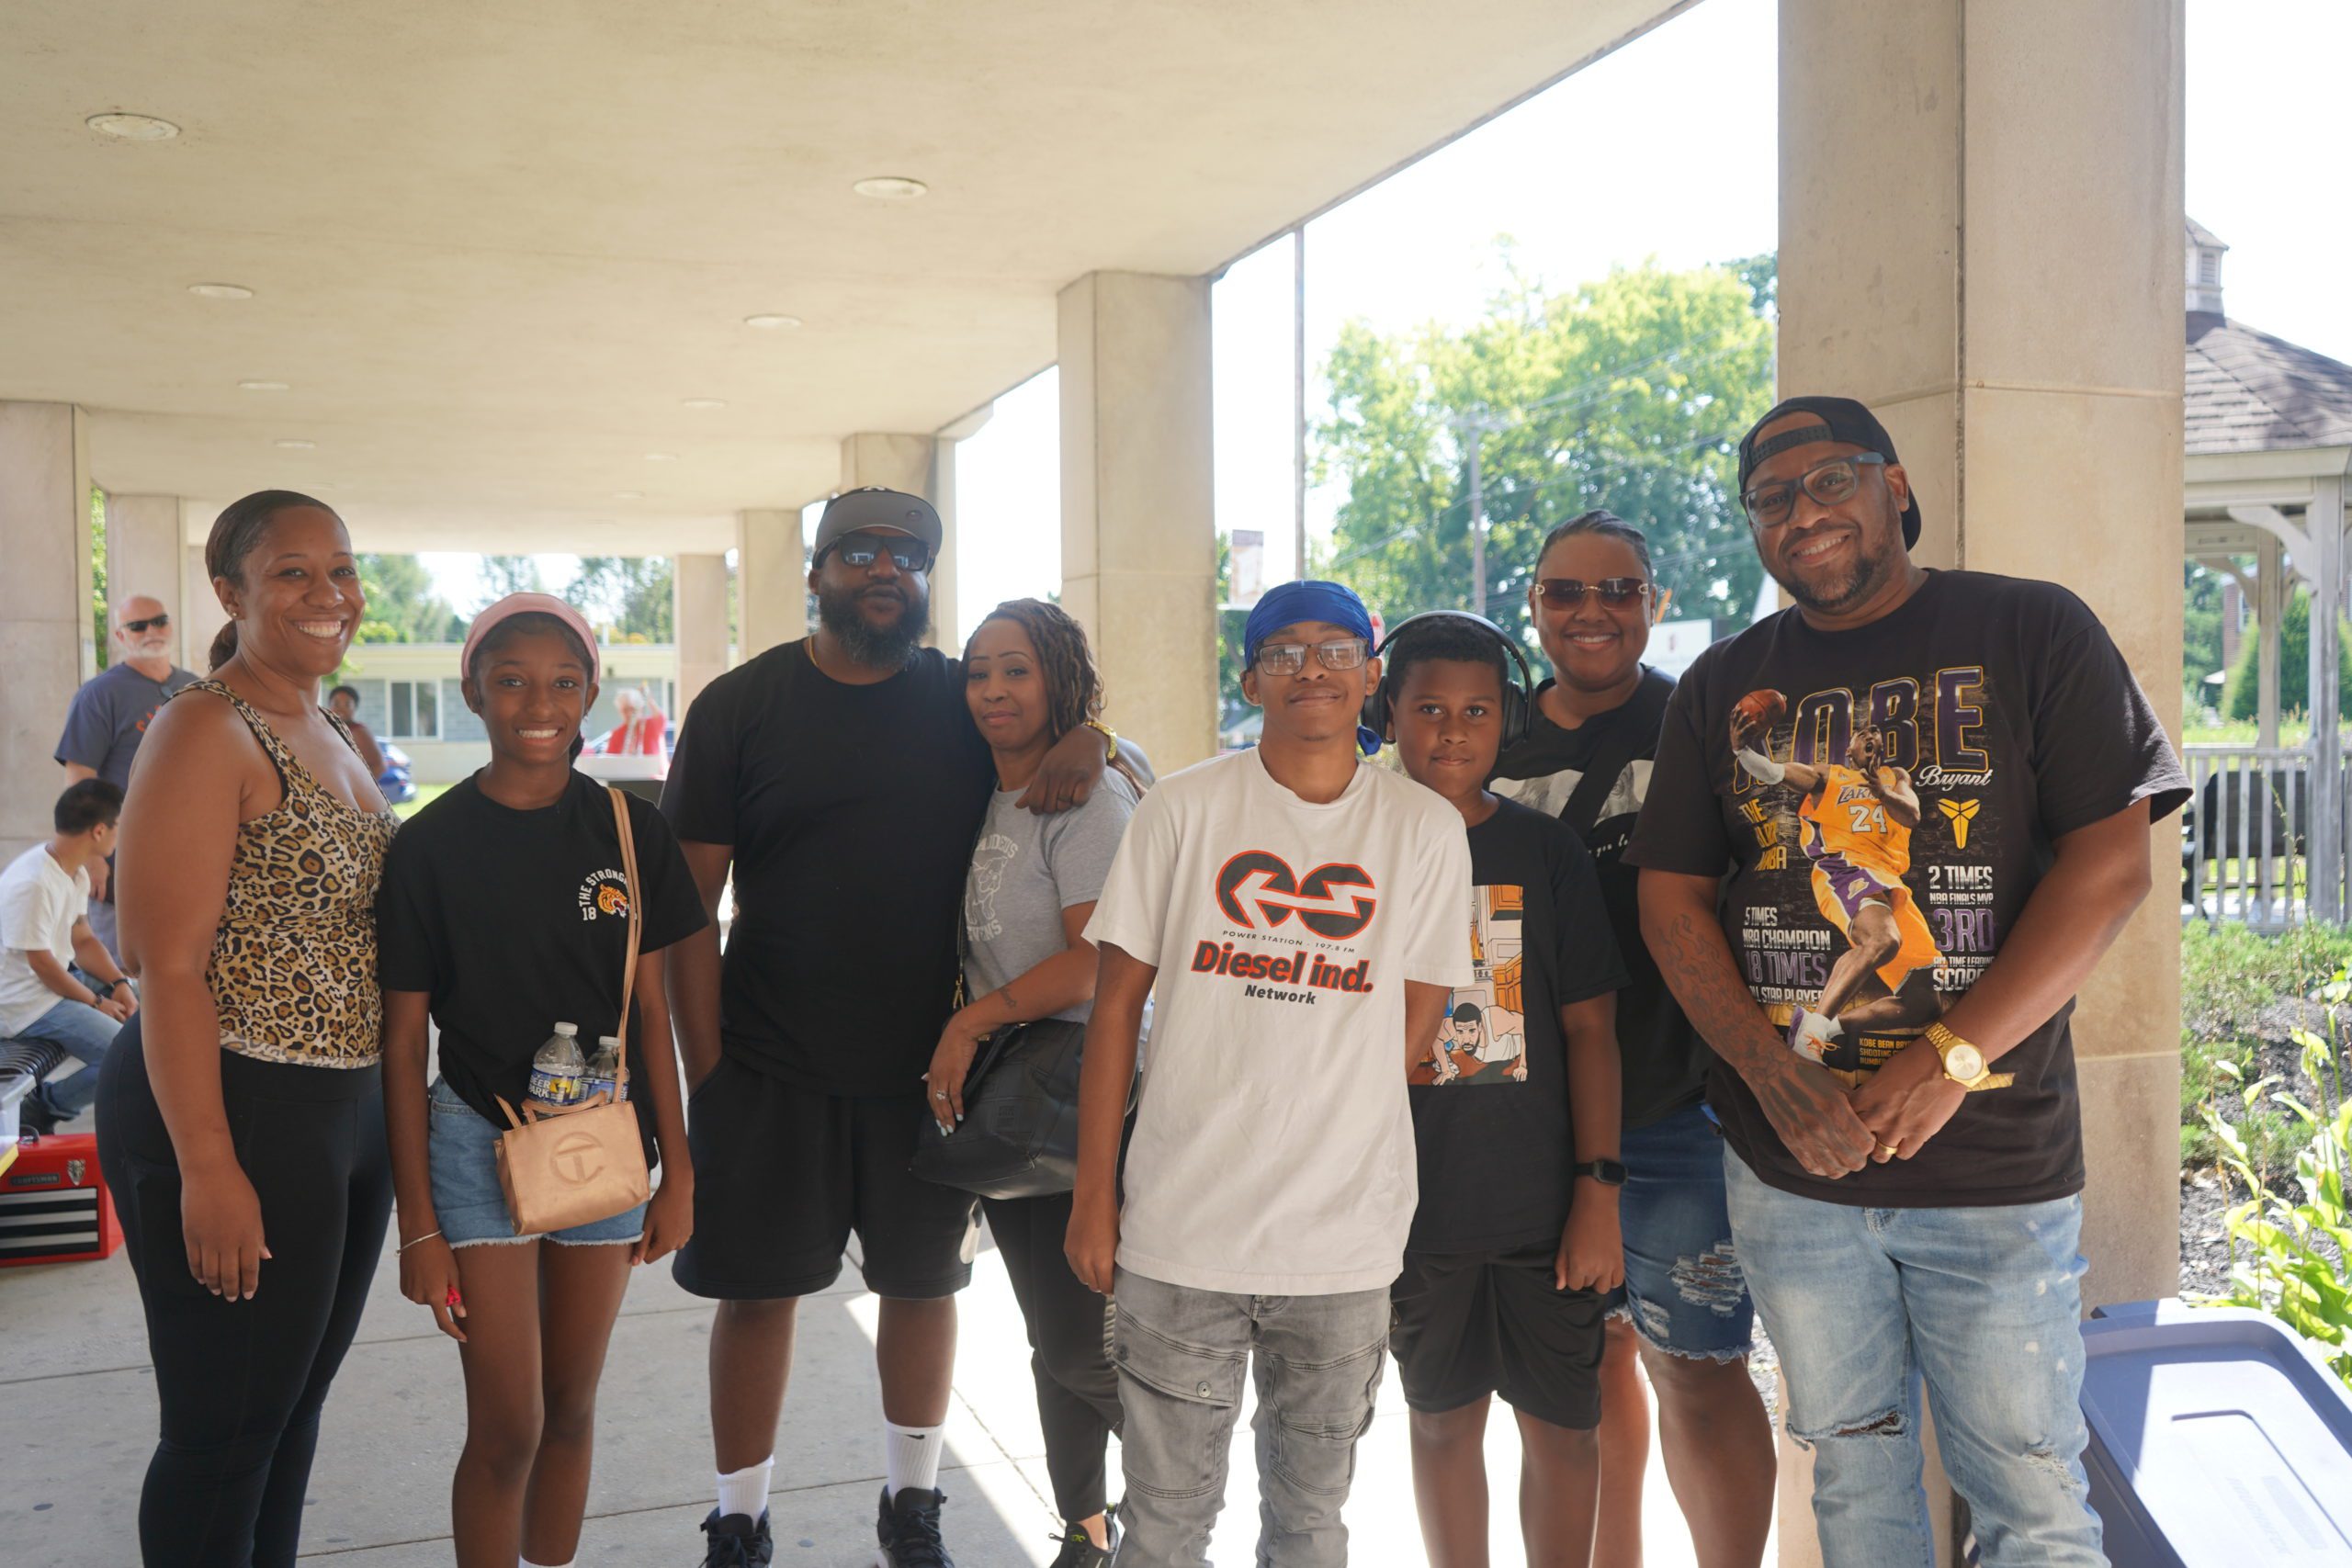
(47, 645)
(924, 465)
(144, 554)
(1980, 237)
(2269, 609)
(203, 616)
(698, 587)
(771, 580)
(2323, 523)
(1138, 523)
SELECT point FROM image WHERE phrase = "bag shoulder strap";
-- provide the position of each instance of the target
(636, 917)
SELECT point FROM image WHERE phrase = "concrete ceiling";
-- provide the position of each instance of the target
(495, 247)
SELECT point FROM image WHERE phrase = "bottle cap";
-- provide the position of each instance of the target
(567, 1029)
(612, 1040)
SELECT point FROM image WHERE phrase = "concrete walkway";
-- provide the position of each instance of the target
(77, 1422)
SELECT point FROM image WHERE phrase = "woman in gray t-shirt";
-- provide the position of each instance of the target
(1029, 679)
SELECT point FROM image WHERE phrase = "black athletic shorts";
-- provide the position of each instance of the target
(783, 1175)
(1464, 1325)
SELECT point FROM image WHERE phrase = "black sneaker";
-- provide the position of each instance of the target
(737, 1542)
(1079, 1552)
(908, 1531)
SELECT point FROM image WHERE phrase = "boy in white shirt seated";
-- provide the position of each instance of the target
(58, 983)
(1302, 914)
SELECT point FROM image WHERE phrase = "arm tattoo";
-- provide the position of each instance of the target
(1699, 969)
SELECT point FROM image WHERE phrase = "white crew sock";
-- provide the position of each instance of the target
(745, 1491)
(911, 1456)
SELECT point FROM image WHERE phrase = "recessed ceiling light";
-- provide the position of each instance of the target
(132, 127)
(661, 456)
(263, 387)
(291, 445)
(220, 290)
(891, 187)
(629, 495)
(704, 403)
(771, 323)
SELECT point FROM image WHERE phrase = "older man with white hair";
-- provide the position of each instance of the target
(109, 717)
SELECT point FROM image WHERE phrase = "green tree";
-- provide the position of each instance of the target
(403, 606)
(98, 576)
(631, 595)
(2201, 642)
(502, 575)
(1630, 393)
(2243, 696)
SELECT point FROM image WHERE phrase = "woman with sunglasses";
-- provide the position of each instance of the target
(1687, 1315)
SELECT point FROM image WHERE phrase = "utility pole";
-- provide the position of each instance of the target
(1477, 525)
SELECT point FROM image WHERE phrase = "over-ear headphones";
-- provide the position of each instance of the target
(1517, 700)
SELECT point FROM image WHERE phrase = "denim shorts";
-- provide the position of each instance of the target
(1684, 1292)
(463, 1149)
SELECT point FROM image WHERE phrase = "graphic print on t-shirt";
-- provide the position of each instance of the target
(992, 858)
(604, 892)
(1873, 786)
(1271, 915)
(1483, 1040)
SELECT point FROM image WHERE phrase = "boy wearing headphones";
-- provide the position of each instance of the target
(1514, 1245)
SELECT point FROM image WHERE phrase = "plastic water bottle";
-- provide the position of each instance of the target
(605, 1071)
(559, 1072)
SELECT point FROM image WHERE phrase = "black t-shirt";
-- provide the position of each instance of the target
(2007, 712)
(1665, 1062)
(513, 921)
(852, 811)
(1491, 1124)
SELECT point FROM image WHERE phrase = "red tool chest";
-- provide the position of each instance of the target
(54, 1207)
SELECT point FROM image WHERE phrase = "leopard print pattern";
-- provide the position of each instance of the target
(293, 965)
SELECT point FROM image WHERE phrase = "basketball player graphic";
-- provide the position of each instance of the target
(1855, 823)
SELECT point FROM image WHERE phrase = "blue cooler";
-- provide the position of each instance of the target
(2216, 1440)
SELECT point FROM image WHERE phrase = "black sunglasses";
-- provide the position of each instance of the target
(150, 621)
(1567, 593)
(860, 549)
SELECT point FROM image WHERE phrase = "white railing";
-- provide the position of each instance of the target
(2245, 836)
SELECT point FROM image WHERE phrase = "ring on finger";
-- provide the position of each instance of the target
(1890, 1150)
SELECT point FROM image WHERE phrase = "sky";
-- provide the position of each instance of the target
(1591, 174)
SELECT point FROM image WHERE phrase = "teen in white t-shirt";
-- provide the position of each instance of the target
(1301, 913)
(45, 935)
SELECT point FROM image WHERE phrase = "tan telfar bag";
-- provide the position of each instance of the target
(587, 1163)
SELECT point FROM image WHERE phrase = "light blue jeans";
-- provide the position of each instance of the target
(1984, 1304)
(85, 1033)
(1181, 1354)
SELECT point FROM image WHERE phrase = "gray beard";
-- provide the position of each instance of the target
(885, 648)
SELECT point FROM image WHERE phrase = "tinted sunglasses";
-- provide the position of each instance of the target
(1617, 592)
(1290, 658)
(905, 554)
(156, 621)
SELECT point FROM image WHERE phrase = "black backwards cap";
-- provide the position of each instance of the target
(1842, 419)
(875, 507)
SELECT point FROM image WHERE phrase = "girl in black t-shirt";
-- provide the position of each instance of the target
(504, 911)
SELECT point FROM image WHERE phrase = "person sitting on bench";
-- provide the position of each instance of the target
(58, 983)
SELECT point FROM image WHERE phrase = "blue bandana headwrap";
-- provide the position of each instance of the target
(1309, 600)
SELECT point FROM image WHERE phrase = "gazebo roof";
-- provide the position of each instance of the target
(2248, 391)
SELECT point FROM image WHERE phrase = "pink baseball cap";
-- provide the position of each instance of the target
(516, 604)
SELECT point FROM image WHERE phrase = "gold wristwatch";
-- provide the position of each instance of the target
(1963, 1063)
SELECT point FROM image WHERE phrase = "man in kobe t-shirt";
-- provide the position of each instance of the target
(842, 780)
(1931, 792)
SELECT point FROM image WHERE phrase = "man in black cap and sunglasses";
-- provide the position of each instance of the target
(842, 780)
(109, 717)
(1902, 1209)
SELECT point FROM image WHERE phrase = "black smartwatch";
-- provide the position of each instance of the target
(1608, 1172)
(102, 989)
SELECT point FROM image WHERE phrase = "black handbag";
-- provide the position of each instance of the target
(1019, 1135)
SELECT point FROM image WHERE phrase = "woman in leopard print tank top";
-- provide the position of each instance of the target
(240, 1120)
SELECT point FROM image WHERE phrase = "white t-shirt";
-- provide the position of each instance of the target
(1274, 1143)
(38, 904)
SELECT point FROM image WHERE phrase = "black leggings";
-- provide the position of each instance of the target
(242, 1383)
(1069, 1330)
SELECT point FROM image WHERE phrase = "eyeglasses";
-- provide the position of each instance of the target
(1567, 593)
(158, 622)
(905, 554)
(1290, 658)
(1830, 483)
